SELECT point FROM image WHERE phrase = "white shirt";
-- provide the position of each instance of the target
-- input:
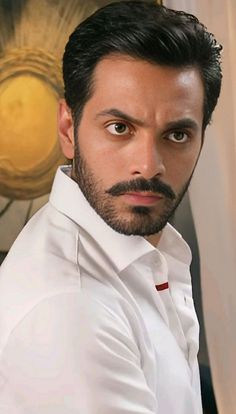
(83, 329)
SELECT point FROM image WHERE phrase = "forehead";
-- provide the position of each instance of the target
(143, 87)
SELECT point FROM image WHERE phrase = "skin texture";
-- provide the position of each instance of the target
(142, 125)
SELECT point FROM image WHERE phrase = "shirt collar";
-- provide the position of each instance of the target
(67, 198)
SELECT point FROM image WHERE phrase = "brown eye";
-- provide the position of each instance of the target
(118, 128)
(178, 136)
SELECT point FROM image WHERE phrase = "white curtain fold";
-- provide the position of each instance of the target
(213, 202)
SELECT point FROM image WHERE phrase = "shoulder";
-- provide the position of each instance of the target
(67, 321)
(41, 263)
(73, 350)
(41, 273)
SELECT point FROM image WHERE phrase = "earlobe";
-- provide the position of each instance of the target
(66, 129)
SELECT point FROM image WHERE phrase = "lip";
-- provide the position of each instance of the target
(142, 198)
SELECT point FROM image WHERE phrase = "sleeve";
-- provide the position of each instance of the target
(70, 356)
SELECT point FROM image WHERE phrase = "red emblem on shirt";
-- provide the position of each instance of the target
(163, 286)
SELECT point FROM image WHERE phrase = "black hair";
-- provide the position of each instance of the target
(143, 30)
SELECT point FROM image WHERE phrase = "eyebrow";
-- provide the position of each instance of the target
(188, 123)
(119, 114)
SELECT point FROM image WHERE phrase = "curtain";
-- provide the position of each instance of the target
(213, 203)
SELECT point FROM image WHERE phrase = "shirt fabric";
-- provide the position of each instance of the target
(88, 324)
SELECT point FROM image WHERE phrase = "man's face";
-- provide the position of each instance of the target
(137, 143)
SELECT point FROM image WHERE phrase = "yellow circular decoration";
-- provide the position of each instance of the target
(28, 118)
(30, 85)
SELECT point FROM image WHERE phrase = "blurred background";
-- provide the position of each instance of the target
(32, 39)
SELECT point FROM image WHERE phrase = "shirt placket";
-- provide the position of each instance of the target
(160, 276)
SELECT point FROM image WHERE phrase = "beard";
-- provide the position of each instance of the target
(130, 220)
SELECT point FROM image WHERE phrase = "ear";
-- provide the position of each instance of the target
(66, 129)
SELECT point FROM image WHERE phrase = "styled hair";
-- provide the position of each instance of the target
(143, 30)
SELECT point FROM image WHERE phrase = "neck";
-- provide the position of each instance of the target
(154, 238)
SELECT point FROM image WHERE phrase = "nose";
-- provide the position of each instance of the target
(147, 159)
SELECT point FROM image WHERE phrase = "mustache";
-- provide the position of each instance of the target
(153, 185)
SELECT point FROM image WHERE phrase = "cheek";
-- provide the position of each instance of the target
(105, 163)
(180, 169)
(102, 158)
(101, 155)
(106, 158)
(110, 167)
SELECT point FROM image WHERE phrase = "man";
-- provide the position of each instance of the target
(96, 303)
